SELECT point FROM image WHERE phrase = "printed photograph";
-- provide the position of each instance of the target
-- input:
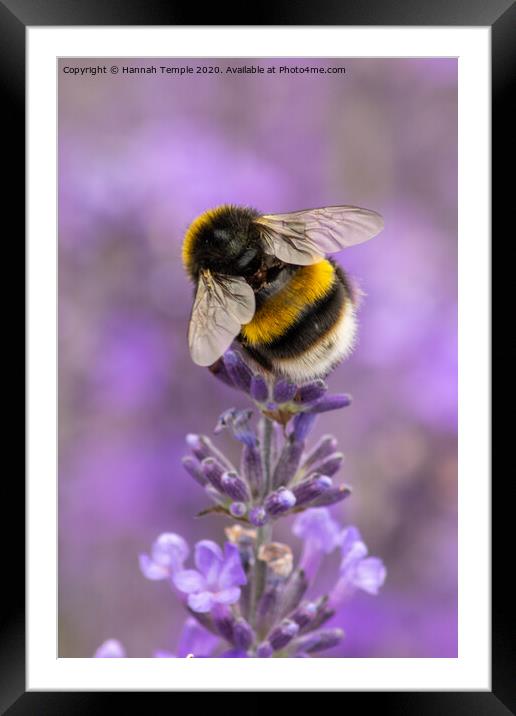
(257, 346)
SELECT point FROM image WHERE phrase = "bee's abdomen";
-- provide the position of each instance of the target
(305, 328)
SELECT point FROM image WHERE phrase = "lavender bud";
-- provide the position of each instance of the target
(243, 635)
(332, 496)
(330, 465)
(303, 423)
(304, 614)
(218, 369)
(284, 391)
(237, 509)
(293, 592)
(281, 635)
(318, 641)
(312, 488)
(288, 463)
(324, 447)
(324, 612)
(234, 487)
(331, 402)
(258, 516)
(239, 423)
(237, 370)
(202, 447)
(213, 471)
(264, 651)
(280, 501)
(267, 604)
(312, 391)
(259, 389)
(193, 468)
(251, 468)
(223, 621)
(216, 496)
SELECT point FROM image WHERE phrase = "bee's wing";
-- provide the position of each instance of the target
(302, 237)
(223, 304)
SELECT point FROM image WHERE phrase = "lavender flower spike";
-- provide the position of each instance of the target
(168, 554)
(217, 579)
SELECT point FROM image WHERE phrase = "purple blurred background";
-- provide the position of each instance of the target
(139, 157)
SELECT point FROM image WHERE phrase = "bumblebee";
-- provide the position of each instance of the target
(265, 280)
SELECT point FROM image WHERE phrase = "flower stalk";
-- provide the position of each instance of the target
(247, 599)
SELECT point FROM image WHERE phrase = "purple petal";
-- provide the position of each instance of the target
(151, 570)
(189, 580)
(369, 575)
(195, 639)
(352, 548)
(208, 560)
(110, 649)
(170, 550)
(232, 573)
(227, 596)
(164, 655)
(317, 527)
(201, 602)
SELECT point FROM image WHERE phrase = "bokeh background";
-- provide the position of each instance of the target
(139, 157)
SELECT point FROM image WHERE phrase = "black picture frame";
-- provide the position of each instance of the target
(15, 17)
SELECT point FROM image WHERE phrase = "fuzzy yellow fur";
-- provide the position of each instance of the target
(281, 311)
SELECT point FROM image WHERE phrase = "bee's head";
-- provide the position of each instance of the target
(223, 241)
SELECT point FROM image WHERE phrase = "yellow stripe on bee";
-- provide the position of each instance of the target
(281, 311)
(197, 225)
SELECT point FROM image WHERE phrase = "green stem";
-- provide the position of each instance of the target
(263, 534)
